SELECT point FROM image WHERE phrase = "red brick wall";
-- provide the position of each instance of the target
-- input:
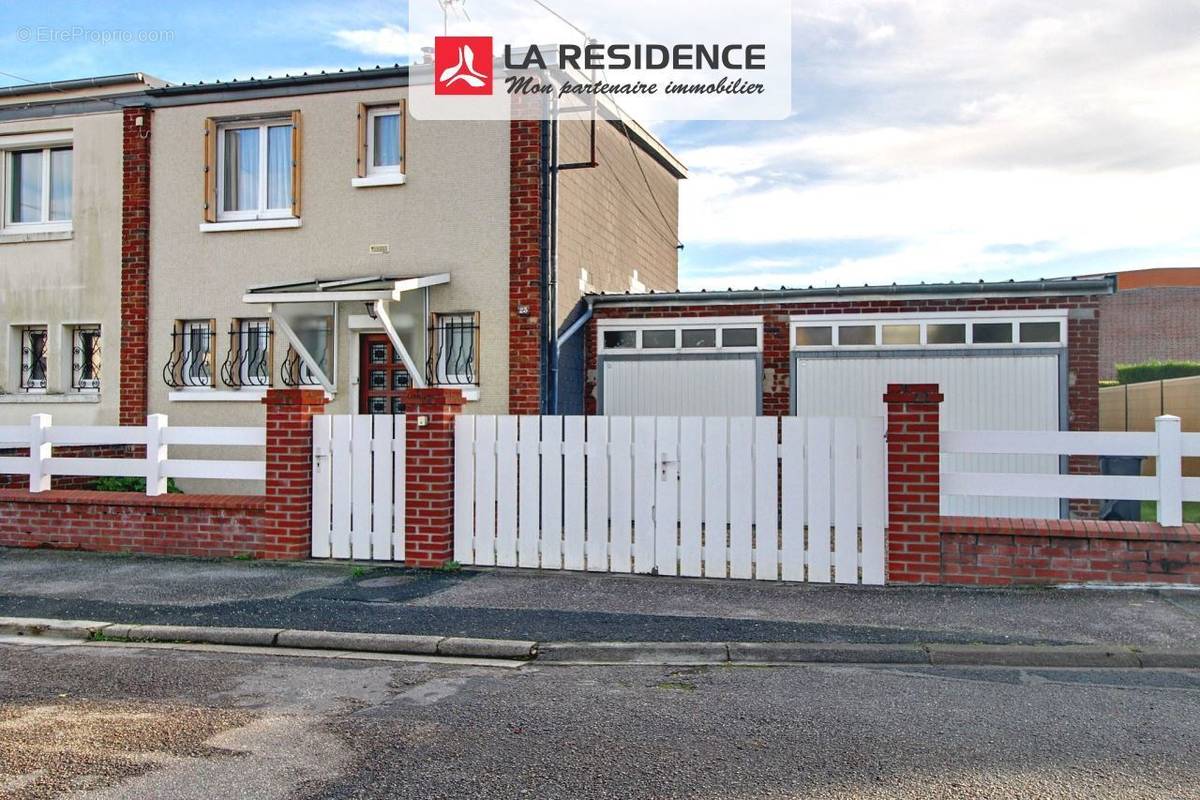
(176, 524)
(1157, 323)
(1082, 340)
(135, 266)
(1005, 552)
(288, 506)
(524, 267)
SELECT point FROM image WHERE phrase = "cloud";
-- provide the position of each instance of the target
(975, 139)
(392, 41)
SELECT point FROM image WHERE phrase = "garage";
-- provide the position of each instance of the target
(1012, 355)
(672, 368)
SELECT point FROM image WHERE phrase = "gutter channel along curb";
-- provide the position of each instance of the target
(619, 653)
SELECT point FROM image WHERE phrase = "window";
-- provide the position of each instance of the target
(85, 358)
(248, 362)
(700, 337)
(815, 336)
(951, 333)
(856, 334)
(658, 339)
(38, 188)
(381, 144)
(454, 359)
(33, 358)
(739, 337)
(901, 334)
(991, 333)
(619, 340)
(192, 359)
(252, 169)
(1040, 332)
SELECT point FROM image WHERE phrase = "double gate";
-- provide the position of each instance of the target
(743, 497)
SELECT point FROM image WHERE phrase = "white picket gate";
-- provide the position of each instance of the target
(740, 497)
(358, 486)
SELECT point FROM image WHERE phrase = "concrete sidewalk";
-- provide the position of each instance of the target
(570, 607)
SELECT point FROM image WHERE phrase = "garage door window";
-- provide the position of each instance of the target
(661, 336)
(657, 340)
(739, 337)
(702, 337)
(943, 330)
(619, 340)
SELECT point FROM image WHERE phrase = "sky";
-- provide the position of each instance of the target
(930, 140)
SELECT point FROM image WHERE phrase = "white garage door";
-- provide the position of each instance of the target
(681, 387)
(982, 393)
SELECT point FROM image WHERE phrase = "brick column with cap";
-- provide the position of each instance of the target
(288, 530)
(429, 483)
(914, 482)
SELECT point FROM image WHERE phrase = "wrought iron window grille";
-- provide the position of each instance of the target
(248, 361)
(85, 359)
(33, 359)
(191, 362)
(453, 350)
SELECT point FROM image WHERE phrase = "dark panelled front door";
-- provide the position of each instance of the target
(382, 377)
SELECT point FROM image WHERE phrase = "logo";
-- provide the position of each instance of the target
(462, 65)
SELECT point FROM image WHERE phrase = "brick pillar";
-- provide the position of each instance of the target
(429, 483)
(777, 367)
(914, 483)
(135, 265)
(525, 263)
(289, 471)
(1083, 396)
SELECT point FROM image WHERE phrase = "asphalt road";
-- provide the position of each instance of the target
(120, 722)
(557, 606)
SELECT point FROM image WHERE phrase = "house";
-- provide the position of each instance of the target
(308, 230)
(61, 239)
(1016, 355)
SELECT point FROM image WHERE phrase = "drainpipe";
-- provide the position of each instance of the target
(550, 262)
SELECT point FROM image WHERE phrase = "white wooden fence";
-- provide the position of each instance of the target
(41, 436)
(358, 486)
(741, 497)
(1166, 444)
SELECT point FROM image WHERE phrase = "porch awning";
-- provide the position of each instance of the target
(360, 290)
(377, 291)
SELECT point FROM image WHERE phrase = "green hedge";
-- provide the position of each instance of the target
(1156, 371)
(123, 484)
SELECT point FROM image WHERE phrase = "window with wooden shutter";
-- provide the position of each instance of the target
(210, 170)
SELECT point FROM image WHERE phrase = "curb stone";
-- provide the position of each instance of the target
(635, 652)
(365, 642)
(1031, 656)
(768, 652)
(59, 628)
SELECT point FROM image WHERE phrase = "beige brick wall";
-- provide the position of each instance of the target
(608, 222)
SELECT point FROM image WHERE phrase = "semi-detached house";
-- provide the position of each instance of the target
(178, 249)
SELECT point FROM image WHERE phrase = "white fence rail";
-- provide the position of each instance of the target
(359, 473)
(741, 497)
(1167, 444)
(41, 436)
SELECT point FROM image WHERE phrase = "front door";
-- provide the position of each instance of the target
(382, 376)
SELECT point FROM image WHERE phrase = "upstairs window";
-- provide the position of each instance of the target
(38, 186)
(252, 169)
(381, 135)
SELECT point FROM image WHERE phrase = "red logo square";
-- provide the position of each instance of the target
(462, 65)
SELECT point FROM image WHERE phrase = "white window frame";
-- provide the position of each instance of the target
(262, 212)
(679, 324)
(92, 385)
(22, 144)
(967, 318)
(186, 353)
(245, 326)
(381, 111)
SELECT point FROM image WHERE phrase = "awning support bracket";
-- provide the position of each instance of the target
(302, 351)
(415, 376)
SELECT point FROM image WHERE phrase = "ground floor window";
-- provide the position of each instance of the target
(454, 349)
(191, 365)
(33, 358)
(85, 358)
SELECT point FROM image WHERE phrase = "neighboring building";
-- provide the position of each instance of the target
(1154, 316)
(61, 247)
(1007, 356)
(308, 230)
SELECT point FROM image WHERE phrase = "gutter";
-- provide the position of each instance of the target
(1105, 285)
(77, 83)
